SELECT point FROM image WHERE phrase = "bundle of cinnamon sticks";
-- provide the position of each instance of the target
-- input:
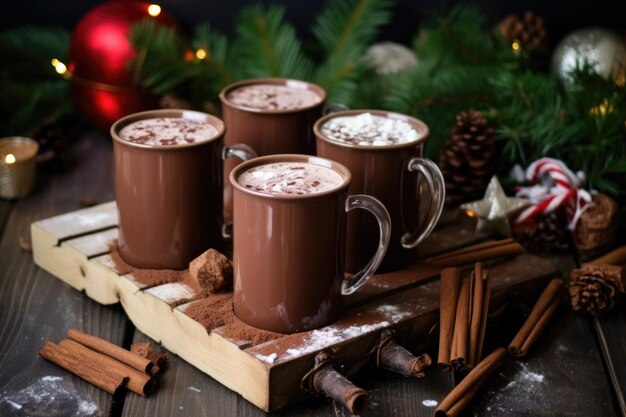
(476, 253)
(463, 307)
(104, 364)
(451, 289)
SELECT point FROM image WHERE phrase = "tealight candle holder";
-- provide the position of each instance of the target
(18, 166)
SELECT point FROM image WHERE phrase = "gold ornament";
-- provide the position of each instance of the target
(494, 209)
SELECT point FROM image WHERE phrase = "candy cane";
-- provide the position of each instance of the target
(555, 186)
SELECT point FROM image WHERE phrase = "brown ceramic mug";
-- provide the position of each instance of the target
(269, 132)
(389, 173)
(288, 250)
(169, 197)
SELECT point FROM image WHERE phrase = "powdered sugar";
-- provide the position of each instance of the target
(430, 403)
(367, 129)
(46, 396)
(328, 336)
(392, 313)
(172, 292)
(271, 358)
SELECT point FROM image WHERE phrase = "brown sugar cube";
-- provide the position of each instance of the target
(212, 270)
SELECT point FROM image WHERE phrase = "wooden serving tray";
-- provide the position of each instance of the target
(74, 248)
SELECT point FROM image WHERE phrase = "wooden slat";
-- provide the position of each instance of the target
(5, 210)
(35, 306)
(94, 244)
(80, 222)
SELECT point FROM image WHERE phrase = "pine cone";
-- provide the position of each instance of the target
(54, 137)
(529, 31)
(467, 158)
(548, 234)
(596, 229)
(594, 288)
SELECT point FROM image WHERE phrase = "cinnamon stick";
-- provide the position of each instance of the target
(467, 249)
(615, 257)
(144, 349)
(94, 372)
(459, 351)
(538, 319)
(138, 382)
(462, 394)
(100, 345)
(479, 255)
(481, 294)
(448, 298)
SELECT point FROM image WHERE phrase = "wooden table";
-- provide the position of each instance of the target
(572, 372)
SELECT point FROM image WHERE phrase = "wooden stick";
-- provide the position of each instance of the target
(480, 255)
(459, 353)
(395, 358)
(448, 298)
(336, 386)
(463, 393)
(467, 249)
(138, 382)
(96, 373)
(538, 319)
(615, 257)
(100, 345)
(481, 293)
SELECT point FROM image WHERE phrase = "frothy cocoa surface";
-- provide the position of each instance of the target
(290, 178)
(273, 97)
(368, 129)
(167, 131)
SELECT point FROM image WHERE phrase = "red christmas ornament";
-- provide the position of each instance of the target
(99, 56)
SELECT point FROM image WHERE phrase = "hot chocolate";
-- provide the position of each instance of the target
(271, 97)
(290, 178)
(367, 129)
(164, 131)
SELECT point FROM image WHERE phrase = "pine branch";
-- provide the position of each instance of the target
(345, 28)
(32, 91)
(268, 47)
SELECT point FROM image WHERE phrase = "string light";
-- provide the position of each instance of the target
(516, 46)
(602, 109)
(9, 159)
(59, 67)
(201, 53)
(154, 10)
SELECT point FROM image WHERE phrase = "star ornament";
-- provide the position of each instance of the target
(494, 209)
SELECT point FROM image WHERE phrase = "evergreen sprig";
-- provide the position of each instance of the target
(264, 46)
(268, 46)
(32, 91)
(345, 28)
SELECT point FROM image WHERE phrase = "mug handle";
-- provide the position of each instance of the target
(243, 152)
(437, 188)
(374, 206)
(238, 150)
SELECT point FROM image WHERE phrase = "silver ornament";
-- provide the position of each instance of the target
(603, 50)
(389, 58)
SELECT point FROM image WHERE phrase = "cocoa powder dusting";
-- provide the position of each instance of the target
(217, 311)
(148, 277)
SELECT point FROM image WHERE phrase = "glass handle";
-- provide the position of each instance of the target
(437, 188)
(243, 152)
(379, 211)
(238, 150)
(334, 108)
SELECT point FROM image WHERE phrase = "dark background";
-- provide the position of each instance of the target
(561, 16)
